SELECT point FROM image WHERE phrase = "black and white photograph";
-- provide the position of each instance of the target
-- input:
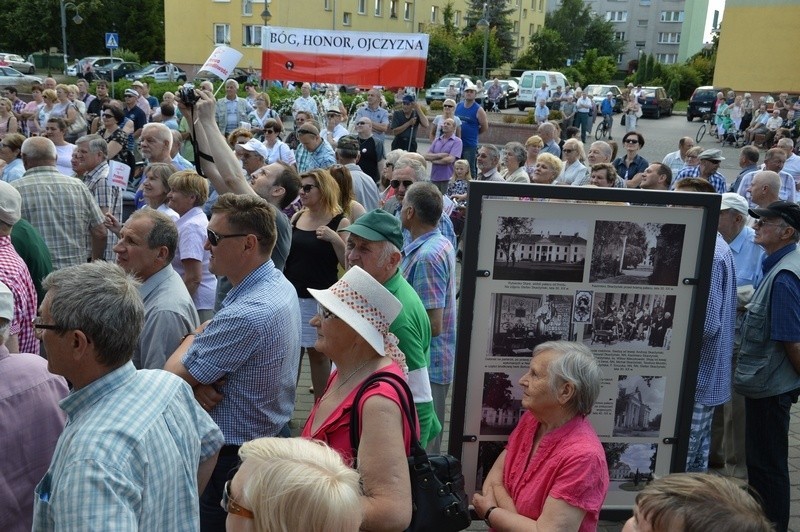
(630, 321)
(521, 322)
(636, 253)
(540, 249)
(488, 451)
(630, 465)
(639, 406)
(502, 401)
(582, 311)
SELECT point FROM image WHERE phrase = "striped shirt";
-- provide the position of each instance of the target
(15, 275)
(716, 179)
(107, 197)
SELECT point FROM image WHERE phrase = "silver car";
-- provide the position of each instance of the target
(15, 78)
(17, 62)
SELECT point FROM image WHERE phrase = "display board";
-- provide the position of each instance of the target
(625, 272)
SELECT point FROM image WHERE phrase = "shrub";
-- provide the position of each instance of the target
(436, 105)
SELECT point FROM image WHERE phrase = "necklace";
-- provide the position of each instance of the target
(344, 381)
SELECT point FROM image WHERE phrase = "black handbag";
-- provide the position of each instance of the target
(622, 120)
(437, 484)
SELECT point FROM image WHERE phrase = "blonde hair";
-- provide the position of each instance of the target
(328, 190)
(552, 161)
(190, 182)
(535, 140)
(236, 133)
(573, 143)
(49, 94)
(300, 484)
(465, 164)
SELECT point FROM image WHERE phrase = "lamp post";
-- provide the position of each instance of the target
(266, 16)
(77, 19)
(484, 25)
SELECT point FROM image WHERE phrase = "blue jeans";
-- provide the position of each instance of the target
(470, 153)
(767, 451)
(584, 122)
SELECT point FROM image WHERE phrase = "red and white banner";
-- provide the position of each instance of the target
(344, 57)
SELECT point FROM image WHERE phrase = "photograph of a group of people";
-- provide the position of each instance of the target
(521, 322)
(630, 321)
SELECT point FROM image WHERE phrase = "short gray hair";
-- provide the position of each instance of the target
(604, 147)
(97, 144)
(575, 364)
(407, 161)
(39, 150)
(164, 231)
(101, 300)
(516, 150)
(387, 249)
(163, 133)
(493, 151)
(426, 199)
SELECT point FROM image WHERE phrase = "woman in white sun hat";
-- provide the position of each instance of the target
(353, 331)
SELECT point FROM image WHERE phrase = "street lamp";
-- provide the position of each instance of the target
(77, 19)
(267, 16)
(484, 25)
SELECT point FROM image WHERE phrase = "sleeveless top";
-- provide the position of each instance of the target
(469, 123)
(312, 263)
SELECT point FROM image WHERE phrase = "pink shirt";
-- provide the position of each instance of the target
(569, 465)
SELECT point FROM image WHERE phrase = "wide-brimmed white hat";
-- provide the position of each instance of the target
(365, 305)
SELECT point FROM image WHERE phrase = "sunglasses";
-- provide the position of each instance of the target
(449, 106)
(308, 188)
(269, 131)
(107, 115)
(231, 506)
(396, 183)
(567, 150)
(325, 313)
(214, 239)
(361, 123)
(631, 141)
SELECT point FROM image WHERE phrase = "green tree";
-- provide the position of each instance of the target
(444, 50)
(497, 390)
(600, 36)
(498, 14)
(594, 69)
(470, 56)
(546, 51)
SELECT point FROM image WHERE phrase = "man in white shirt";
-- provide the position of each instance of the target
(305, 102)
(677, 159)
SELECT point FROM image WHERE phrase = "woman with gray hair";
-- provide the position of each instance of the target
(568, 484)
(573, 155)
(514, 156)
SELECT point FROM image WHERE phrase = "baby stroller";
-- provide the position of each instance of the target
(728, 133)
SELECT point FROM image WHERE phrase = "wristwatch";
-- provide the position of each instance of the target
(486, 516)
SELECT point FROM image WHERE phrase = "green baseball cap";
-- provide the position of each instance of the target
(378, 225)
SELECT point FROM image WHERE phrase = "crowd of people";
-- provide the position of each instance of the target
(248, 250)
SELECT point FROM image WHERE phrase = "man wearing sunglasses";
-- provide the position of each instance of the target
(334, 130)
(313, 150)
(371, 152)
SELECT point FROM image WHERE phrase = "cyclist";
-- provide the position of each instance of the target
(607, 110)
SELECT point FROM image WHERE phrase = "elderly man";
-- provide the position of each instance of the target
(488, 159)
(133, 112)
(767, 369)
(61, 208)
(232, 109)
(429, 265)
(348, 153)
(89, 164)
(334, 130)
(178, 160)
(144, 102)
(657, 176)
(377, 115)
(19, 337)
(541, 112)
(583, 114)
(708, 169)
(763, 189)
(134, 439)
(313, 151)
(373, 243)
(547, 132)
(406, 122)
(371, 152)
(156, 143)
(253, 155)
(748, 162)
(792, 163)
(773, 162)
(305, 102)
(599, 152)
(30, 423)
(145, 250)
(677, 159)
(55, 129)
(243, 363)
(444, 151)
(567, 108)
(473, 122)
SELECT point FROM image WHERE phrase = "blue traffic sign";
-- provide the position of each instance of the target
(112, 40)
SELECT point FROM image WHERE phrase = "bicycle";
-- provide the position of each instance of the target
(701, 132)
(602, 129)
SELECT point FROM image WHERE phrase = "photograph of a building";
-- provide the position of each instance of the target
(639, 405)
(630, 465)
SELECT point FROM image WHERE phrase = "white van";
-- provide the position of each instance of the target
(532, 80)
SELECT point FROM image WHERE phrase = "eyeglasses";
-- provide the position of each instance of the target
(395, 183)
(269, 131)
(38, 327)
(333, 115)
(631, 141)
(567, 150)
(760, 222)
(231, 506)
(324, 313)
(304, 132)
(449, 106)
(214, 239)
(107, 116)
(308, 188)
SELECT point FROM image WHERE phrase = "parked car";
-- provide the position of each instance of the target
(436, 92)
(120, 70)
(532, 80)
(17, 62)
(160, 72)
(239, 74)
(655, 102)
(702, 101)
(13, 77)
(97, 62)
(508, 97)
(598, 93)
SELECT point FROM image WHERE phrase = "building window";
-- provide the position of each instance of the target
(516, 26)
(619, 35)
(378, 8)
(522, 42)
(247, 8)
(642, 23)
(407, 11)
(667, 59)
(251, 35)
(617, 16)
(640, 44)
(524, 13)
(327, 4)
(347, 18)
(670, 37)
(531, 29)
(362, 7)
(644, 2)
(619, 58)
(672, 16)
(222, 33)
(393, 8)
(541, 5)
(457, 19)
(434, 14)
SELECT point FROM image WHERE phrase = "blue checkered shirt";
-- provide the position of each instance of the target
(716, 179)
(254, 342)
(322, 157)
(786, 193)
(716, 351)
(429, 265)
(128, 456)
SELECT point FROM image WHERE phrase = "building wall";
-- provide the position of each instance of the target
(747, 60)
(695, 24)
(190, 34)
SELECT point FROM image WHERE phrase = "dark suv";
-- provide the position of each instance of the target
(702, 101)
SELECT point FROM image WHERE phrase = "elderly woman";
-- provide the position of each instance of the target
(533, 146)
(392, 157)
(315, 255)
(448, 111)
(548, 168)
(603, 175)
(632, 111)
(277, 150)
(11, 155)
(66, 109)
(188, 192)
(514, 156)
(553, 473)
(630, 166)
(574, 157)
(118, 141)
(261, 113)
(352, 325)
(291, 484)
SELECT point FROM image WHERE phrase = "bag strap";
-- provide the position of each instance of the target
(407, 407)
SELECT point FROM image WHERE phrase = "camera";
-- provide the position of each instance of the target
(187, 94)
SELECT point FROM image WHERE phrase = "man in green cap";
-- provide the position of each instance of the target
(373, 244)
